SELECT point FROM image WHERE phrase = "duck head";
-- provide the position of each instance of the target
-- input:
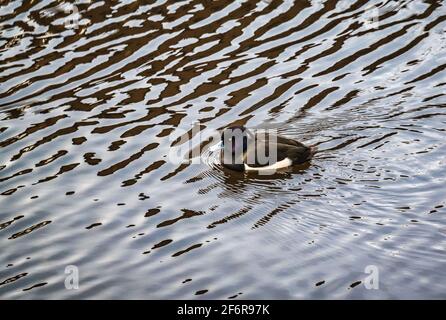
(235, 144)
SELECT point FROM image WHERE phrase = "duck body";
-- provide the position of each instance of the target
(244, 150)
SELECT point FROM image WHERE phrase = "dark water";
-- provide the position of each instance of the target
(91, 105)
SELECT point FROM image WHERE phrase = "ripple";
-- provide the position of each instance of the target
(91, 107)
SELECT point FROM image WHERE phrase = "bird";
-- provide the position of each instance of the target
(243, 150)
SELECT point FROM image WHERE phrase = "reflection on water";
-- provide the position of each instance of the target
(93, 97)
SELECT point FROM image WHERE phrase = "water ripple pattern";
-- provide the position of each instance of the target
(95, 96)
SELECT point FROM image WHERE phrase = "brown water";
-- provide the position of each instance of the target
(91, 105)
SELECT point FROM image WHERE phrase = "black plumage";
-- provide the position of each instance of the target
(244, 150)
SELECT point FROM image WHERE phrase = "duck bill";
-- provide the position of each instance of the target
(216, 147)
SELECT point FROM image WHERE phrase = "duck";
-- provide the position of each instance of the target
(244, 150)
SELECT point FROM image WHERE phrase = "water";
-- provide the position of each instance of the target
(91, 105)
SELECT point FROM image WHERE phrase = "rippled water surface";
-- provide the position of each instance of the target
(94, 97)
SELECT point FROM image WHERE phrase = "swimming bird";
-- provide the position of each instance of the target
(244, 150)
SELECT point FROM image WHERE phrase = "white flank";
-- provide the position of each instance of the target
(278, 165)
